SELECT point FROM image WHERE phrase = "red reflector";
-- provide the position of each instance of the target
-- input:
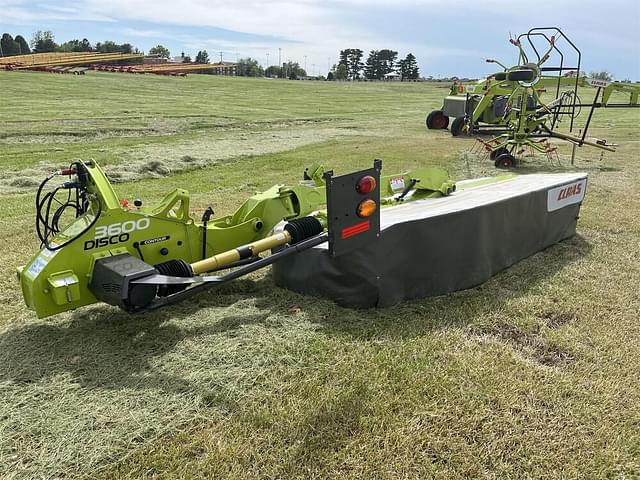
(366, 184)
(355, 229)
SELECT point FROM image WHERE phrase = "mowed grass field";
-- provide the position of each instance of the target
(534, 374)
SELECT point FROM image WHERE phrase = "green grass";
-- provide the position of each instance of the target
(532, 375)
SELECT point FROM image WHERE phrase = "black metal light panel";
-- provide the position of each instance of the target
(347, 230)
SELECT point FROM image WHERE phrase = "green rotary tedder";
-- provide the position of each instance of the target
(509, 104)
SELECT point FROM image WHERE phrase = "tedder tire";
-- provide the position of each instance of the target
(506, 160)
(437, 120)
(524, 75)
(496, 153)
(457, 126)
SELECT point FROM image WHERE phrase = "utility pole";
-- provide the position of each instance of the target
(220, 57)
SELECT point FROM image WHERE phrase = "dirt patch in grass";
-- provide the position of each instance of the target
(556, 319)
(531, 345)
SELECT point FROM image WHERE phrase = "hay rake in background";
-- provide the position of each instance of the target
(508, 104)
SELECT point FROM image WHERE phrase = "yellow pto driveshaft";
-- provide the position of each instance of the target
(244, 252)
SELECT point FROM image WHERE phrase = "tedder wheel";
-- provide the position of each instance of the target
(437, 120)
(506, 160)
(496, 153)
(457, 125)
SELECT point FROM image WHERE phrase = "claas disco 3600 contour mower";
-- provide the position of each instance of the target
(98, 248)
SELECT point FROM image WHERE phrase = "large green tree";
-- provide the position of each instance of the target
(202, 57)
(372, 65)
(293, 70)
(602, 75)
(249, 67)
(76, 45)
(387, 61)
(9, 46)
(341, 72)
(272, 71)
(408, 68)
(379, 63)
(126, 48)
(43, 42)
(24, 46)
(351, 58)
(163, 52)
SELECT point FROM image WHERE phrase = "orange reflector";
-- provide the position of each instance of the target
(366, 184)
(355, 229)
(367, 208)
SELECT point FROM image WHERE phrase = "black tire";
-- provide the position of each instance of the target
(500, 76)
(496, 153)
(437, 120)
(457, 126)
(524, 75)
(506, 160)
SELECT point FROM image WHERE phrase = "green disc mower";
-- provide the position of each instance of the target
(96, 247)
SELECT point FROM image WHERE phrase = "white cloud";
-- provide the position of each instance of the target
(320, 29)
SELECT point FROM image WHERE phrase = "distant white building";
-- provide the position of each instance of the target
(392, 77)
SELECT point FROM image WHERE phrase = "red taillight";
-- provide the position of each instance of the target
(367, 208)
(366, 184)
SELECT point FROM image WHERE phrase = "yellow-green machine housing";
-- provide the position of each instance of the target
(58, 278)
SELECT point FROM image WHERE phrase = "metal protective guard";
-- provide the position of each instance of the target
(439, 253)
(348, 231)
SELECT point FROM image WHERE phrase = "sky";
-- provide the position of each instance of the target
(448, 38)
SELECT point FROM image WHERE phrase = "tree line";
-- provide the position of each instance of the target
(250, 67)
(377, 66)
(44, 42)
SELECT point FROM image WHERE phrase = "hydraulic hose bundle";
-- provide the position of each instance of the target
(50, 209)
